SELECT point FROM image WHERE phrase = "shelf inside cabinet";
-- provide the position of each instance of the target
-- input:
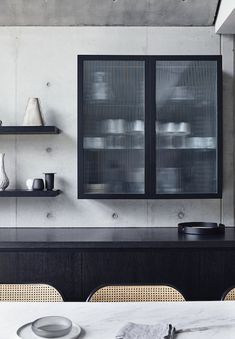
(26, 193)
(112, 103)
(29, 130)
(114, 149)
(186, 148)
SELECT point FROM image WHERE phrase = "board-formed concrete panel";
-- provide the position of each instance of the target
(107, 12)
(33, 57)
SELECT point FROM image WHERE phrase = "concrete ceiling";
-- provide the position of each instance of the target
(108, 12)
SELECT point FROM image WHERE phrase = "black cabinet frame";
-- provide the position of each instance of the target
(150, 134)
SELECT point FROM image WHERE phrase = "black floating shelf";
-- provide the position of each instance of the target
(25, 193)
(29, 130)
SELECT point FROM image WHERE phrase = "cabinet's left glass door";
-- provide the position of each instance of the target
(113, 127)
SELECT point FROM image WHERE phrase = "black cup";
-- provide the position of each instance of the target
(38, 185)
(49, 181)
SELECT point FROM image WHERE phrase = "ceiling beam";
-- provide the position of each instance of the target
(225, 22)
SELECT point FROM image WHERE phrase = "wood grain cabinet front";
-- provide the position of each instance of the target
(61, 269)
(168, 266)
(199, 273)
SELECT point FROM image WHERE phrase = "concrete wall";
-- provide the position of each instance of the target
(41, 62)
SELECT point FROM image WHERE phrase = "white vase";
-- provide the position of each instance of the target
(33, 116)
(29, 184)
(4, 181)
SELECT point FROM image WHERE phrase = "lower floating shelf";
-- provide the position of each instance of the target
(25, 193)
(29, 130)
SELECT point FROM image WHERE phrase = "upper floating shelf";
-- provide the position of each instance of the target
(29, 130)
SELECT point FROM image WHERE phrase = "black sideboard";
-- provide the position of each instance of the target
(76, 260)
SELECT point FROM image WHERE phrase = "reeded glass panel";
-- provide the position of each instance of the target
(186, 127)
(113, 115)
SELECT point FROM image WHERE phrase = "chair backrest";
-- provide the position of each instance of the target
(135, 293)
(229, 295)
(29, 292)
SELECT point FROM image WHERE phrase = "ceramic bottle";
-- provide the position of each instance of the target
(4, 181)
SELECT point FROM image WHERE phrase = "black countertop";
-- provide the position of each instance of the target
(93, 237)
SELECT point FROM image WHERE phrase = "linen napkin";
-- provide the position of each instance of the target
(141, 331)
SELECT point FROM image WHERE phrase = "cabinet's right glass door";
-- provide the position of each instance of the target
(186, 127)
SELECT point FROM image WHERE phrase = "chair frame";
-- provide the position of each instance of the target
(129, 285)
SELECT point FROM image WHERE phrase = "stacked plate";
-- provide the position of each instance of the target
(49, 327)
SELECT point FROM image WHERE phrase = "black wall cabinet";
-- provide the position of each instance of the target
(149, 127)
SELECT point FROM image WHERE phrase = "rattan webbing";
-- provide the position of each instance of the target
(230, 295)
(29, 292)
(136, 293)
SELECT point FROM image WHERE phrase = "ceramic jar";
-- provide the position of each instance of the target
(38, 184)
(49, 181)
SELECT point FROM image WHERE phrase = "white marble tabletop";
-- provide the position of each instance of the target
(103, 320)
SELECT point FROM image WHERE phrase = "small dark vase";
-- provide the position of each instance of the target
(38, 185)
(49, 181)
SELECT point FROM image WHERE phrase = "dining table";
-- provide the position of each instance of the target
(211, 319)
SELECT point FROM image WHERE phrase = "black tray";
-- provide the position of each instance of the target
(201, 228)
